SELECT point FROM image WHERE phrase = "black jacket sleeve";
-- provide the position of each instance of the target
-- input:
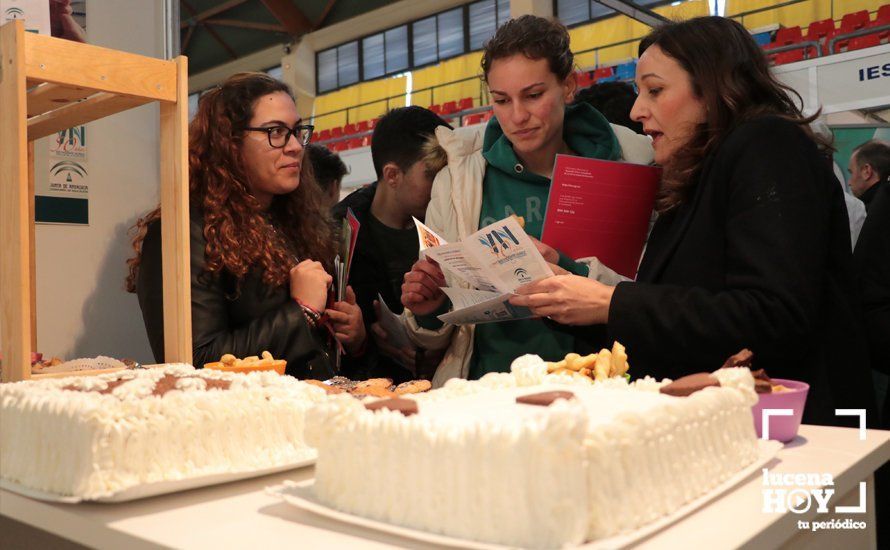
(282, 330)
(873, 263)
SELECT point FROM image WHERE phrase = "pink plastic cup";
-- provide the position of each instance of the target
(782, 428)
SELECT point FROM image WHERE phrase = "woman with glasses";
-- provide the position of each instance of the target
(262, 242)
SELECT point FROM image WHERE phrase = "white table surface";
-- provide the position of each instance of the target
(241, 514)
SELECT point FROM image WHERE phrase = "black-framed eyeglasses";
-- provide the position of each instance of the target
(280, 135)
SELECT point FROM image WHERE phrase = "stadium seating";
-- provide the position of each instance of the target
(866, 41)
(822, 31)
(787, 36)
(626, 71)
(449, 107)
(604, 74)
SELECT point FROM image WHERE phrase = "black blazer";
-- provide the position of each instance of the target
(228, 320)
(758, 257)
(872, 258)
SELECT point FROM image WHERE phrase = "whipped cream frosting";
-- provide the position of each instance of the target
(73, 437)
(473, 463)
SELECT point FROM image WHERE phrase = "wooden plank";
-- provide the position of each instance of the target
(15, 248)
(175, 223)
(270, 27)
(50, 59)
(93, 108)
(32, 239)
(289, 15)
(47, 97)
(324, 14)
(225, 6)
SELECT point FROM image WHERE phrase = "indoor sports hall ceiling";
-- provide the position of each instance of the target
(214, 32)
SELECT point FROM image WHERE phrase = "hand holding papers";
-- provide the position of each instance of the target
(390, 322)
(495, 261)
(342, 263)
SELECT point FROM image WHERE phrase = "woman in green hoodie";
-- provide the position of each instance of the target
(529, 69)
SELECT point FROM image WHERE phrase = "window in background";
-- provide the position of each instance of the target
(373, 60)
(451, 33)
(347, 64)
(432, 39)
(598, 10)
(503, 11)
(572, 12)
(483, 22)
(426, 48)
(397, 49)
(326, 70)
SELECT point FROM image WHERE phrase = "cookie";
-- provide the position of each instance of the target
(341, 382)
(325, 387)
(375, 383)
(373, 391)
(414, 386)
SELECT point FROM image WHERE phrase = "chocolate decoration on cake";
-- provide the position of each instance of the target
(544, 399)
(162, 386)
(744, 358)
(405, 406)
(168, 383)
(762, 382)
(111, 385)
(688, 385)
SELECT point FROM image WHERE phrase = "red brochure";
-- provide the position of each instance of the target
(601, 208)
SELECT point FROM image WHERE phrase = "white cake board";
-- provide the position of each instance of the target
(302, 495)
(157, 488)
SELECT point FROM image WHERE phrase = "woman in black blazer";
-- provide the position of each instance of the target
(751, 248)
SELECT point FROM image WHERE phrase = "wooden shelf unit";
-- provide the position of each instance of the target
(48, 85)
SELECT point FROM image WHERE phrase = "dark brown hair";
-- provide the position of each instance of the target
(535, 38)
(731, 76)
(240, 235)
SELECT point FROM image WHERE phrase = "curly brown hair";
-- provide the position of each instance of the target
(731, 76)
(535, 38)
(240, 235)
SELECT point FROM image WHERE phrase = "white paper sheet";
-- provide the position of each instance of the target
(392, 324)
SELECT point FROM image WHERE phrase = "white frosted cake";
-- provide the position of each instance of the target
(93, 436)
(472, 462)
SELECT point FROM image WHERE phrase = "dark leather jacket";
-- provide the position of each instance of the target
(226, 319)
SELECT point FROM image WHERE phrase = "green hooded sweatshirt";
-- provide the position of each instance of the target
(510, 189)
